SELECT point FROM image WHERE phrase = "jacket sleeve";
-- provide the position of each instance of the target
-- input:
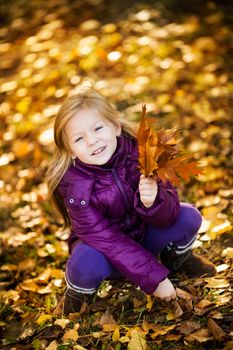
(165, 209)
(126, 255)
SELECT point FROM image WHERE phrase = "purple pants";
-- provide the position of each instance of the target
(87, 267)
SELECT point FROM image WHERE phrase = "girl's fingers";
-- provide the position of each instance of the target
(174, 295)
(146, 179)
(147, 185)
(146, 193)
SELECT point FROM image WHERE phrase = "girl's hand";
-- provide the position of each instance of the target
(148, 190)
(165, 290)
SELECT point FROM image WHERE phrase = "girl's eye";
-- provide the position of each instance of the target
(98, 128)
(78, 139)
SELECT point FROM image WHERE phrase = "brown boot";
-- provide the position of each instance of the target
(191, 264)
(74, 300)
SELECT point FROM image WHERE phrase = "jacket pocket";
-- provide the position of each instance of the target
(75, 199)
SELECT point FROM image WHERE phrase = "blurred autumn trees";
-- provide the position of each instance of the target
(177, 58)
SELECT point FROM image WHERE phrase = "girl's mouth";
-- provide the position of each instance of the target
(98, 150)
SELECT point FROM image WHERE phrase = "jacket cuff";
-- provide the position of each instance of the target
(153, 278)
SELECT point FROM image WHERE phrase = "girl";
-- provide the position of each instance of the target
(120, 221)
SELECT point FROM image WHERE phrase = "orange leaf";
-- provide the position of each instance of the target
(107, 327)
(29, 285)
(159, 154)
(70, 334)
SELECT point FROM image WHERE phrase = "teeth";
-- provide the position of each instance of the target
(98, 150)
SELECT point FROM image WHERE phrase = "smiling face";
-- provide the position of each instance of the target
(91, 137)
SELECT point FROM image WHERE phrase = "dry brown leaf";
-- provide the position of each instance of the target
(223, 299)
(44, 276)
(107, 318)
(148, 326)
(172, 337)
(45, 290)
(137, 303)
(97, 334)
(221, 228)
(201, 336)
(177, 309)
(62, 322)
(9, 267)
(210, 202)
(52, 346)
(204, 303)
(203, 306)
(42, 252)
(188, 327)
(222, 267)
(84, 308)
(211, 212)
(217, 282)
(189, 305)
(217, 331)
(216, 314)
(144, 135)
(161, 330)
(228, 345)
(183, 294)
(159, 154)
(228, 252)
(29, 285)
(58, 283)
(10, 295)
(70, 334)
(27, 265)
(192, 290)
(57, 273)
(57, 312)
(107, 327)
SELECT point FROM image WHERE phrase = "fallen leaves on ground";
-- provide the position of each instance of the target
(181, 68)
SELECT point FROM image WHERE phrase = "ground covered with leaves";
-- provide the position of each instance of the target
(174, 56)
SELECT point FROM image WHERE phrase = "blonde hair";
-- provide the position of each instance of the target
(89, 99)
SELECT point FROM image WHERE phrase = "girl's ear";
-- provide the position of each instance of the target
(118, 130)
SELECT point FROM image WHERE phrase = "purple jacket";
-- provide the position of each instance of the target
(105, 210)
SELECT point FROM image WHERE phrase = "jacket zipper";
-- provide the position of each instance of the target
(123, 193)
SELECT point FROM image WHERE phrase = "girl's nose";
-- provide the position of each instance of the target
(91, 140)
